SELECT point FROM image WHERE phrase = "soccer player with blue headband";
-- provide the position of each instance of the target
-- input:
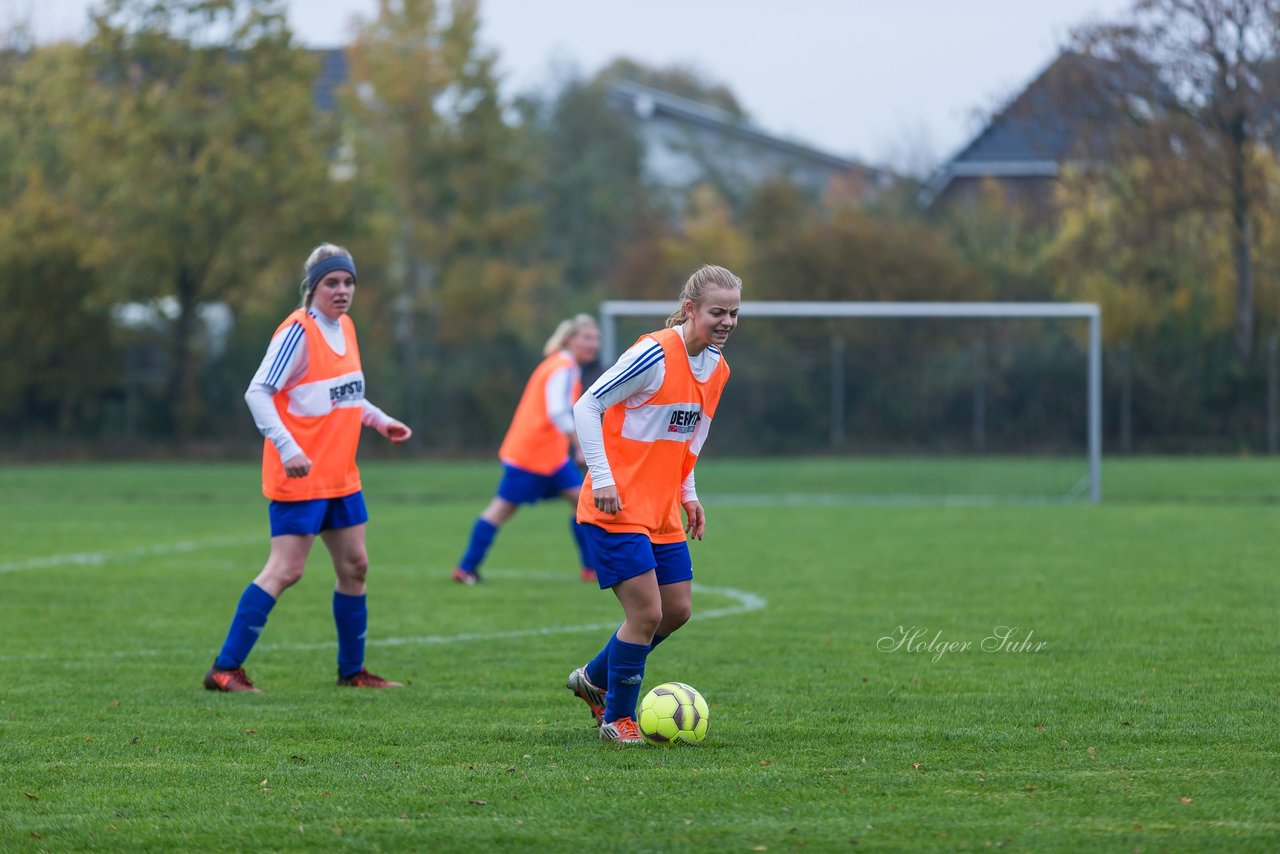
(308, 400)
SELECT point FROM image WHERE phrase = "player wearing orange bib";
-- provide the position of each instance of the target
(308, 401)
(535, 454)
(642, 425)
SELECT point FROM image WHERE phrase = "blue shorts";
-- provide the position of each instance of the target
(622, 556)
(316, 515)
(524, 487)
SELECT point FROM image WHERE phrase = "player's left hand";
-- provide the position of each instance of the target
(396, 431)
(695, 519)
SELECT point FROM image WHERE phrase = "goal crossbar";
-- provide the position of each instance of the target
(610, 310)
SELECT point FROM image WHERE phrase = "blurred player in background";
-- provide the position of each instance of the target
(308, 400)
(642, 425)
(540, 455)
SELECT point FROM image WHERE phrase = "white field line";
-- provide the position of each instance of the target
(742, 602)
(816, 499)
(101, 558)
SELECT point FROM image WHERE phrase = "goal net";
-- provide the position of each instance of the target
(900, 402)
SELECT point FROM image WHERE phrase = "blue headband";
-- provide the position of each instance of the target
(327, 265)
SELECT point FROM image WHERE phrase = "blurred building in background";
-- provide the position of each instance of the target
(687, 144)
(1058, 119)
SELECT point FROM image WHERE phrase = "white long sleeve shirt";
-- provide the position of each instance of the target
(559, 392)
(634, 378)
(284, 364)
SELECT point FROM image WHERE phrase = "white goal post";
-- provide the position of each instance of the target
(610, 310)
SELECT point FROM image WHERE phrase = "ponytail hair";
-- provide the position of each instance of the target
(566, 330)
(705, 278)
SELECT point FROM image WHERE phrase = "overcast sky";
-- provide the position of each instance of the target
(902, 83)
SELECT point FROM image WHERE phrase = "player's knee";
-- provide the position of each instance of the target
(646, 619)
(673, 617)
(499, 511)
(357, 568)
(286, 574)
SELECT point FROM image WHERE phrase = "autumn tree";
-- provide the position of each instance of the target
(1198, 79)
(56, 328)
(459, 229)
(200, 161)
(590, 180)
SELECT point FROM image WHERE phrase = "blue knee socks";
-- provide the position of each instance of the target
(482, 534)
(598, 667)
(351, 616)
(626, 672)
(246, 626)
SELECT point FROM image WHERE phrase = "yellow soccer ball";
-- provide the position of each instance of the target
(673, 713)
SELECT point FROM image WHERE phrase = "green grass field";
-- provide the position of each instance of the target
(1145, 722)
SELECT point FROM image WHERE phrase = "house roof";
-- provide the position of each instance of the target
(646, 102)
(641, 101)
(1059, 115)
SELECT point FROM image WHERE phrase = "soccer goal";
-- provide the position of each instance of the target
(956, 401)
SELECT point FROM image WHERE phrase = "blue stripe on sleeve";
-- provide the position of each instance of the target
(647, 360)
(290, 343)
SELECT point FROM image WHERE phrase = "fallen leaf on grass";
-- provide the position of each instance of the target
(31, 797)
(915, 765)
(35, 835)
(479, 803)
(1185, 800)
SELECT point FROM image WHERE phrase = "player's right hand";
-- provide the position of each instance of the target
(606, 499)
(297, 466)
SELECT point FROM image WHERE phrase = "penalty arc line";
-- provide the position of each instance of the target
(744, 602)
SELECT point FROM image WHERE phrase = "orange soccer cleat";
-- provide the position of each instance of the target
(621, 732)
(229, 681)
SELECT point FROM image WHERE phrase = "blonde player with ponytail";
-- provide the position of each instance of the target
(535, 454)
(642, 425)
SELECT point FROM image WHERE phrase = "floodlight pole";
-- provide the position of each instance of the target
(610, 310)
